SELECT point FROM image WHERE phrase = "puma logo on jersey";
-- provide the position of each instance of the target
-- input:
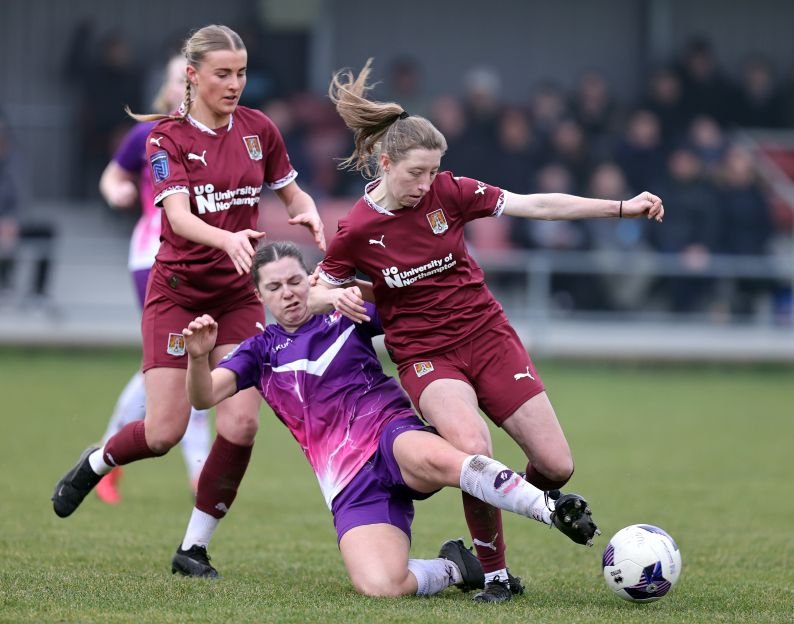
(192, 156)
(518, 376)
(372, 241)
(156, 141)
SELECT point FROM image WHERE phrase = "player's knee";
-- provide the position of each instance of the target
(377, 585)
(473, 444)
(558, 472)
(239, 428)
(160, 442)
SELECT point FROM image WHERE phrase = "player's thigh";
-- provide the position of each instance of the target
(450, 405)
(167, 405)
(534, 426)
(376, 559)
(427, 461)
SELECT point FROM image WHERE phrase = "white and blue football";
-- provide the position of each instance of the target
(641, 563)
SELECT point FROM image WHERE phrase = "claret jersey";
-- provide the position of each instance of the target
(430, 293)
(325, 383)
(223, 172)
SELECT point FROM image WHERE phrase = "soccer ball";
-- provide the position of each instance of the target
(641, 563)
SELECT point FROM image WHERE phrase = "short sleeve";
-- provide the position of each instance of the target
(168, 172)
(477, 199)
(278, 168)
(246, 361)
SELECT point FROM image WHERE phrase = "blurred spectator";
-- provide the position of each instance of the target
(705, 89)
(405, 84)
(515, 159)
(706, 139)
(664, 98)
(759, 97)
(483, 106)
(569, 291)
(747, 225)
(14, 232)
(613, 239)
(569, 147)
(106, 80)
(548, 106)
(448, 115)
(596, 110)
(640, 152)
(691, 231)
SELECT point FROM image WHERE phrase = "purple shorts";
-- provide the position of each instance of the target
(139, 279)
(378, 494)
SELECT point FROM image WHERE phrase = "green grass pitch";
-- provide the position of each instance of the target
(703, 452)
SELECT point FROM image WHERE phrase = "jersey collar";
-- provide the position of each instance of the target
(370, 202)
(197, 124)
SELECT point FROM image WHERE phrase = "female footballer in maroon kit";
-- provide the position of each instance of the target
(209, 163)
(453, 345)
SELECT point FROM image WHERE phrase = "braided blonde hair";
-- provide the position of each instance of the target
(205, 40)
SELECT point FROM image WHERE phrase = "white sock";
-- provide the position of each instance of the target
(97, 462)
(433, 575)
(493, 482)
(199, 529)
(130, 406)
(195, 443)
(496, 574)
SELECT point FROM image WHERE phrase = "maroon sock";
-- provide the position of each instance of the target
(485, 526)
(542, 482)
(128, 445)
(220, 477)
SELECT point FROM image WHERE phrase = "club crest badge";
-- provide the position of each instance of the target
(438, 221)
(423, 368)
(160, 168)
(253, 146)
(176, 345)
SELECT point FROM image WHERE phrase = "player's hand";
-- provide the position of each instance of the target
(314, 278)
(239, 248)
(200, 335)
(123, 194)
(646, 204)
(312, 221)
(349, 303)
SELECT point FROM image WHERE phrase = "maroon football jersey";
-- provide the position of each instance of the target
(222, 171)
(430, 293)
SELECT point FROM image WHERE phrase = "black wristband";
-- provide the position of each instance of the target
(620, 214)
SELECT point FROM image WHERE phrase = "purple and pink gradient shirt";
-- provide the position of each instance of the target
(326, 384)
(131, 156)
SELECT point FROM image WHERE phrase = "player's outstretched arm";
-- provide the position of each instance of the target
(205, 388)
(563, 207)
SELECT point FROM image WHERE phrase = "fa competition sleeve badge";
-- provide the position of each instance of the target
(160, 168)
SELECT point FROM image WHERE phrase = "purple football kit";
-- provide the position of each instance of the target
(326, 384)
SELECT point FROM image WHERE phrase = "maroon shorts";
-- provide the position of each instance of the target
(493, 362)
(164, 320)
